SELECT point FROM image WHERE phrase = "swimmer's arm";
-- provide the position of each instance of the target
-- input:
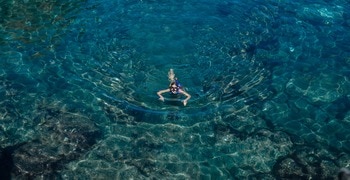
(159, 93)
(188, 96)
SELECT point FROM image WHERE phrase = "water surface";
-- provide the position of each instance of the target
(269, 83)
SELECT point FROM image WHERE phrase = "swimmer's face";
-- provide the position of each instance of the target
(173, 88)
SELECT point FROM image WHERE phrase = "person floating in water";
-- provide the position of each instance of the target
(175, 88)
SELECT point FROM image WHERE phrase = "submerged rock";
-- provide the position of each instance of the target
(5, 164)
(63, 137)
(306, 163)
(34, 159)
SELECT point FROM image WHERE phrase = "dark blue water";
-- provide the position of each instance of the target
(269, 82)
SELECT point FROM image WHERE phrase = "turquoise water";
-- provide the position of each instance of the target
(269, 82)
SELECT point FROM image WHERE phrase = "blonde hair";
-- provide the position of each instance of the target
(171, 75)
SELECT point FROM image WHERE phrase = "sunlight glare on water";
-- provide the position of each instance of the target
(268, 82)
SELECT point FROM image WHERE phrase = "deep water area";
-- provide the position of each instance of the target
(269, 83)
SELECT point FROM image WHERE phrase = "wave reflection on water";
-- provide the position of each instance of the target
(79, 82)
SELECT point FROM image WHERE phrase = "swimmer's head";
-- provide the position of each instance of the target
(174, 88)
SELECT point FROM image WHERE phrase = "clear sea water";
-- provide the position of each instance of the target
(269, 82)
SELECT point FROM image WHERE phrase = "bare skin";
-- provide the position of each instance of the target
(173, 88)
(188, 96)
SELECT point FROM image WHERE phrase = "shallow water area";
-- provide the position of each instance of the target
(269, 85)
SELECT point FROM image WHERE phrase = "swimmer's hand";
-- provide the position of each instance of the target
(184, 102)
(161, 98)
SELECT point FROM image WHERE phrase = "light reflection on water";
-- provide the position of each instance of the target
(261, 99)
